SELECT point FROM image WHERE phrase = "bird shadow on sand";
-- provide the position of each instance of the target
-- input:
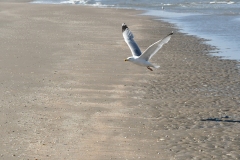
(222, 119)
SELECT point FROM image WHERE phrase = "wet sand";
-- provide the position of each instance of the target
(66, 92)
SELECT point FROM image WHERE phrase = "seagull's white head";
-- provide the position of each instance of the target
(130, 59)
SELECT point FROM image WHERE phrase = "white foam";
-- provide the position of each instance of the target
(95, 3)
(167, 4)
(222, 2)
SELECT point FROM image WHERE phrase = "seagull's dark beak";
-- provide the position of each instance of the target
(126, 60)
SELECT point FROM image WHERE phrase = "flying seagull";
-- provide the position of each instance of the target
(138, 57)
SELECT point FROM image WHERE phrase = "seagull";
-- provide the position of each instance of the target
(138, 57)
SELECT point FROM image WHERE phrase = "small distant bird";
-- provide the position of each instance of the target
(138, 57)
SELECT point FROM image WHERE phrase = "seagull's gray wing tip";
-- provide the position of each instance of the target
(124, 27)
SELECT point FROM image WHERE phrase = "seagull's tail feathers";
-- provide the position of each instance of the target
(156, 66)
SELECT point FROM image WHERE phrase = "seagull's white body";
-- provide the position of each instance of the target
(138, 57)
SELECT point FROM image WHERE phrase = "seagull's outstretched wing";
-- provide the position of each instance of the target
(155, 47)
(128, 37)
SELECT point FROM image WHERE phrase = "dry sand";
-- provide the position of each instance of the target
(66, 92)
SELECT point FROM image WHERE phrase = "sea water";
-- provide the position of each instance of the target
(215, 20)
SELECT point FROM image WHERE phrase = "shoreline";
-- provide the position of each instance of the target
(223, 49)
(66, 91)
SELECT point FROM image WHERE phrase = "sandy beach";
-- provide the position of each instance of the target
(66, 92)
